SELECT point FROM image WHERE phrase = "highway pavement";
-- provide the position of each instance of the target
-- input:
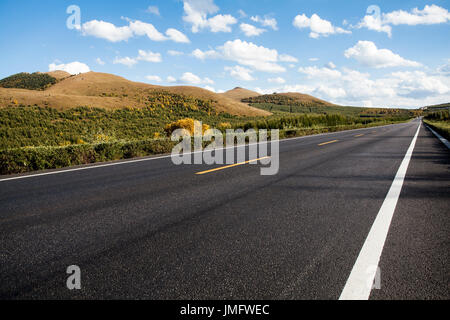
(154, 230)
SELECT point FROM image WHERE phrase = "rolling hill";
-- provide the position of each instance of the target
(109, 91)
(306, 98)
(59, 74)
(239, 93)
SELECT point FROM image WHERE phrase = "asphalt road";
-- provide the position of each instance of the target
(154, 230)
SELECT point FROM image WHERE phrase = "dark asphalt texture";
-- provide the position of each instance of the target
(154, 230)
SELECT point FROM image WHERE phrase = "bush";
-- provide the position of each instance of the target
(187, 124)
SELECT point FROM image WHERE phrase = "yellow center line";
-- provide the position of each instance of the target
(231, 165)
(359, 135)
(324, 143)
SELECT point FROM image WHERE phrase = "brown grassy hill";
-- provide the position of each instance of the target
(105, 90)
(59, 75)
(238, 94)
(301, 97)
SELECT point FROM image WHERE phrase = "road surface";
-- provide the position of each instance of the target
(154, 230)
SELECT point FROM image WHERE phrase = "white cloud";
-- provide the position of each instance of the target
(261, 91)
(72, 67)
(100, 61)
(171, 79)
(251, 55)
(359, 86)
(367, 53)
(313, 59)
(154, 78)
(242, 13)
(153, 9)
(110, 32)
(330, 65)
(247, 54)
(331, 92)
(287, 58)
(320, 73)
(240, 73)
(221, 23)
(266, 22)
(190, 78)
(398, 89)
(418, 83)
(177, 36)
(127, 61)
(174, 53)
(196, 13)
(445, 68)
(202, 55)
(430, 14)
(142, 28)
(319, 27)
(106, 30)
(208, 81)
(209, 88)
(149, 56)
(278, 80)
(374, 23)
(250, 30)
(143, 55)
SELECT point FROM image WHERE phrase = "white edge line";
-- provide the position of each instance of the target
(94, 166)
(359, 283)
(443, 140)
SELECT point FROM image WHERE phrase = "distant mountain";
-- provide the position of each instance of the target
(105, 90)
(239, 93)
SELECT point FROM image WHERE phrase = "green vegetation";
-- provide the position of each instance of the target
(312, 109)
(279, 99)
(24, 80)
(281, 105)
(34, 138)
(438, 106)
(315, 121)
(440, 122)
(20, 160)
(24, 126)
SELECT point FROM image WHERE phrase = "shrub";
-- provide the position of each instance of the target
(187, 124)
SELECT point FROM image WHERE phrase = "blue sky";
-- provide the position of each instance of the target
(335, 50)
